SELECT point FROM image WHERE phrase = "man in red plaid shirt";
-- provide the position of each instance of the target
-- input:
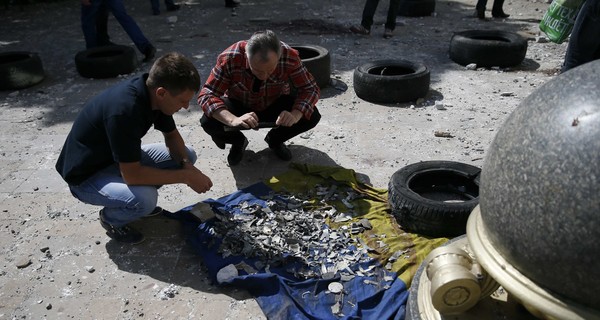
(251, 83)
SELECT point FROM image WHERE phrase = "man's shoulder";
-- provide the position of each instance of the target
(124, 97)
(238, 48)
(234, 56)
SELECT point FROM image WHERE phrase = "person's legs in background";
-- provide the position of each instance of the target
(155, 4)
(480, 9)
(102, 27)
(89, 15)
(132, 29)
(390, 22)
(584, 44)
(367, 18)
(497, 11)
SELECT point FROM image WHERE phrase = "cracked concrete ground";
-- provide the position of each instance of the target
(76, 272)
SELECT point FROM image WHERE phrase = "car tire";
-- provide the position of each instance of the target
(106, 62)
(488, 48)
(416, 8)
(317, 61)
(391, 81)
(434, 198)
(20, 69)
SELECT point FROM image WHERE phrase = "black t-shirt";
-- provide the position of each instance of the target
(109, 129)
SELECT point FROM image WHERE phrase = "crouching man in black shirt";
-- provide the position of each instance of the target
(104, 161)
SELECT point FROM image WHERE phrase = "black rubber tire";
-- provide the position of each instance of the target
(416, 8)
(318, 62)
(434, 198)
(488, 48)
(20, 69)
(391, 81)
(106, 62)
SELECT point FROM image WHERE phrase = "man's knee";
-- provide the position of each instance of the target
(144, 201)
(314, 119)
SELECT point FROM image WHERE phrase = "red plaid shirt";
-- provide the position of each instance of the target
(231, 77)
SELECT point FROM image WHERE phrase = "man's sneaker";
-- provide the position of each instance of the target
(124, 234)
(282, 151)
(155, 212)
(236, 153)
(359, 29)
(149, 53)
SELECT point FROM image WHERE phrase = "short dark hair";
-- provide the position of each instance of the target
(174, 72)
(261, 43)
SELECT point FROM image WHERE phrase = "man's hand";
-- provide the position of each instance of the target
(248, 120)
(288, 119)
(197, 180)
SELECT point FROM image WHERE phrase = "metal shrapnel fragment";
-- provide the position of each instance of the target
(365, 223)
(227, 273)
(335, 287)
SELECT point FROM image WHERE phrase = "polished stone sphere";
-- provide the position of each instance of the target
(540, 186)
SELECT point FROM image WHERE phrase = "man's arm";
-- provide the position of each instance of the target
(134, 173)
(247, 120)
(176, 146)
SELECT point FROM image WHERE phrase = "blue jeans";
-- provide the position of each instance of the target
(369, 13)
(90, 13)
(124, 203)
(584, 45)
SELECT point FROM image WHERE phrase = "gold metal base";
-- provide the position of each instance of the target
(539, 301)
(495, 302)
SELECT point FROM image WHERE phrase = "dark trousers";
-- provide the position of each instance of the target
(496, 7)
(584, 45)
(89, 23)
(369, 13)
(275, 136)
(102, 37)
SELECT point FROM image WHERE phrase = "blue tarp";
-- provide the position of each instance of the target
(381, 295)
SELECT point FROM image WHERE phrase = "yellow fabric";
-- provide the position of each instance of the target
(373, 205)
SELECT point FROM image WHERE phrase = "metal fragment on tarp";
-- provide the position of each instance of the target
(227, 273)
(246, 267)
(335, 287)
(202, 211)
(365, 224)
(397, 255)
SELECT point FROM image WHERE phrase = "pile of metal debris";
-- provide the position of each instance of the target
(292, 231)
